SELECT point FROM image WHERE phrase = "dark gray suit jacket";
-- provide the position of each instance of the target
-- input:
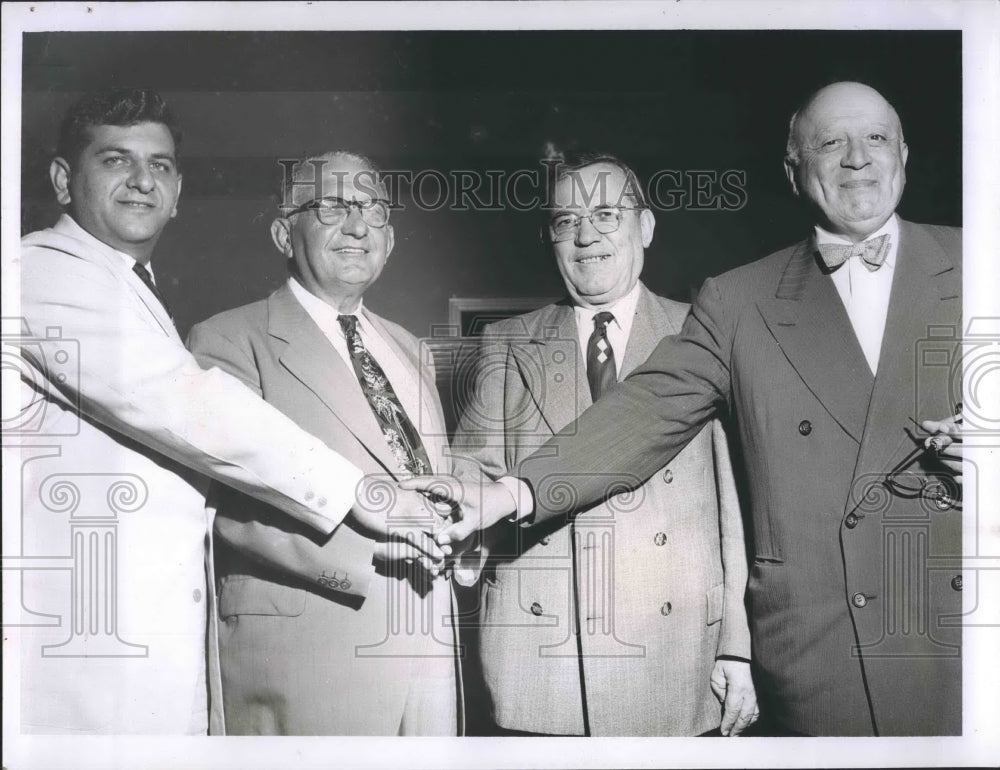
(854, 601)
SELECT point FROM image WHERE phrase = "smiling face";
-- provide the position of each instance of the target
(851, 159)
(336, 263)
(600, 268)
(123, 187)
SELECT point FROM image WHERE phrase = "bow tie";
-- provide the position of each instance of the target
(871, 253)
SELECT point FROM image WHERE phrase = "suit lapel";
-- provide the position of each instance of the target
(95, 251)
(809, 323)
(923, 280)
(553, 367)
(310, 358)
(650, 325)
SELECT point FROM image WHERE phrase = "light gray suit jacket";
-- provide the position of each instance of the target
(312, 640)
(654, 579)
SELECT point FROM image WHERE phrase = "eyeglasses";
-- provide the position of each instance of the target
(335, 211)
(940, 488)
(606, 219)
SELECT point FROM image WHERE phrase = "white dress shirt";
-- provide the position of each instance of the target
(864, 292)
(403, 377)
(618, 330)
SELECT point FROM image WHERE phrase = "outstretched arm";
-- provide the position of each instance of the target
(140, 381)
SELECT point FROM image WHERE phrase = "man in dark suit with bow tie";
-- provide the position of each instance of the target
(855, 587)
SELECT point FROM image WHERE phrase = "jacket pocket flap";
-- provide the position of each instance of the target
(252, 596)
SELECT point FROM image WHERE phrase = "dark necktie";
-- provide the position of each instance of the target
(400, 435)
(140, 270)
(601, 370)
(872, 253)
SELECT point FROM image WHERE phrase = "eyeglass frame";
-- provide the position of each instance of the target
(547, 228)
(944, 499)
(362, 206)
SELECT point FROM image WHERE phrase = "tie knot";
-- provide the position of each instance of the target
(349, 324)
(872, 252)
(602, 319)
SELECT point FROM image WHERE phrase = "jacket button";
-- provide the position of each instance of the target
(851, 521)
(666, 609)
(660, 538)
(309, 495)
(956, 582)
(545, 540)
(321, 502)
(805, 427)
(536, 608)
(196, 594)
(668, 476)
(859, 600)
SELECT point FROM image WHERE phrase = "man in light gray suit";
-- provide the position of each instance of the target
(351, 633)
(626, 617)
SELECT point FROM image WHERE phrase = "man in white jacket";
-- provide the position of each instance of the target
(126, 428)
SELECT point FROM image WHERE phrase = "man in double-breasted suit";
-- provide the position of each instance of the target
(625, 618)
(350, 634)
(818, 352)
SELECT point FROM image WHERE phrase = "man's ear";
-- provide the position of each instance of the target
(390, 241)
(647, 223)
(281, 234)
(179, 180)
(790, 167)
(59, 174)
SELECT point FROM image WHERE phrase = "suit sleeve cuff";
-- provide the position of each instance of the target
(524, 500)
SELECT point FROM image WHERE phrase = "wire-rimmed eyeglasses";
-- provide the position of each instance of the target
(940, 488)
(606, 219)
(335, 211)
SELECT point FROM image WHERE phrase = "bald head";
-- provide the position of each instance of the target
(846, 157)
(845, 92)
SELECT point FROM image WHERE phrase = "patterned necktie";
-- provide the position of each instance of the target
(601, 370)
(400, 435)
(871, 253)
(140, 270)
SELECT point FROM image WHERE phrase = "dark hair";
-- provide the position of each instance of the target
(569, 161)
(112, 107)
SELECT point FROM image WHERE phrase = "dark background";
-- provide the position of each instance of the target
(681, 100)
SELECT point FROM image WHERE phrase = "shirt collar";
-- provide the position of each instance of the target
(890, 228)
(624, 307)
(70, 226)
(319, 310)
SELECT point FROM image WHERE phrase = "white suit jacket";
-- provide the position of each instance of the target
(114, 637)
